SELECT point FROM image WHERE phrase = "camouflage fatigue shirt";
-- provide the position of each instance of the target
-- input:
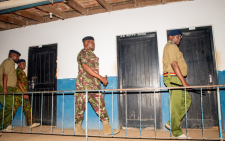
(21, 76)
(85, 81)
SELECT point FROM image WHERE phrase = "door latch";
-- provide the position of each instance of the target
(210, 78)
(33, 81)
(32, 84)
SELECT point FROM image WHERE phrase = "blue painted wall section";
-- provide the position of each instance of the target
(93, 119)
(64, 85)
(17, 118)
(221, 81)
(165, 103)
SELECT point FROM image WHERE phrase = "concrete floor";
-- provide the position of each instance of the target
(135, 133)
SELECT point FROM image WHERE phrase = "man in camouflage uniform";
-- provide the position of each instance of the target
(89, 79)
(8, 81)
(22, 86)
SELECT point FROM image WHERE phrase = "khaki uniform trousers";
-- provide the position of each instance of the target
(177, 101)
(8, 107)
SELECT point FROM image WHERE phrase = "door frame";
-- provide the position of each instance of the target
(119, 80)
(55, 85)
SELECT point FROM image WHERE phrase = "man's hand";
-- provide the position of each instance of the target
(25, 96)
(91, 72)
(5, 91)
(185, 84)
(104, 81)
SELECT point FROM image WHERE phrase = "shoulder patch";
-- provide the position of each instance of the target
(171, 42)
(8, 59)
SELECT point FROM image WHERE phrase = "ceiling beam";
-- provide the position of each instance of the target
(29, 15)
(9, 19)
(7, 26)
(4, 25)
(135, 3)
(163, 1)
(76, 7)
(96, 10)
(51, 9)
(105, 4)
(125, 5)
(84, 1)
(142, 3)
(72, 14)
(168, 1)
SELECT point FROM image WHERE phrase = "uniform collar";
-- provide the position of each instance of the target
(88, 50)
(171, 42)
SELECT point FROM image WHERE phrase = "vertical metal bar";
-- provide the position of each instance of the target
(99, 113)
(21, 114)
(155, 113)
(12, 112)
(186, 111)
(3, 114)
(202, 115)
(52, 115)
(219, 113)
(74, 112)
(126, 111)
(31, 112)
(170, 116)
(112, 113)
(86, 115)
(140, 110)
(63, 115)
(41, 110)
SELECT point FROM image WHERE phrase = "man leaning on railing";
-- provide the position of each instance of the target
(174, 69)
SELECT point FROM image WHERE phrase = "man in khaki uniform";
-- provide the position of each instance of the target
(174, 70)
(8, 81)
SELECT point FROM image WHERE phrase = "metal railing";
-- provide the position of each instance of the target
(120, 91)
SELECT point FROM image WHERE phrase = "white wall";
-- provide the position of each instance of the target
(106, 26)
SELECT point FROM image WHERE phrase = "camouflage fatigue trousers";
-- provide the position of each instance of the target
(26, 108)
(7, 105)
(95, 99)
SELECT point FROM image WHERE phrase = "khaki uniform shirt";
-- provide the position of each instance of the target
(8, 67)
(172, 53)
